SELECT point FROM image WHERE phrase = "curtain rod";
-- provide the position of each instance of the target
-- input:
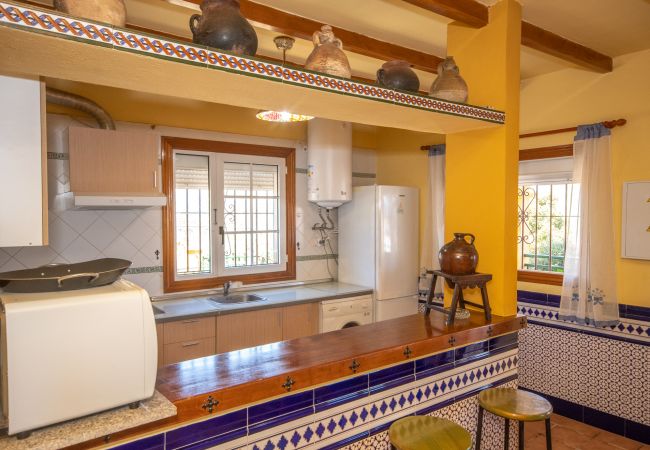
(606, 123)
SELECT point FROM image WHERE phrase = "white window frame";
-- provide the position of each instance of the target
(217, 210)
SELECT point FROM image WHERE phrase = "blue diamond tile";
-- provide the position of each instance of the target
(427, 391)
(621, 326)
(419, 395)
(411, 397)
(353, 418)
(435, 389)
(320, 429)
(457, 382)
(343, 422)
(308, 434)
(331, 426)
(383, 407)
(282, 443)
(465, 378)
(630, 328)
(364, 414)
(295, 439)
(374, 411)
(509, 363)
(485, 372)
(639, 330)
(443, 386)
(269, 446)
(393, 403)
(472, 376)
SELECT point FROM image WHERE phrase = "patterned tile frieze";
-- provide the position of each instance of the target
(628, 329)
(598, 372)
(62, 26)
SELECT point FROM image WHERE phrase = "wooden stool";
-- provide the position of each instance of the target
(428, 433)
(460, 282)
(514, 404)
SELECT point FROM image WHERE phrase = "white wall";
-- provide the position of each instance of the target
(136, 235)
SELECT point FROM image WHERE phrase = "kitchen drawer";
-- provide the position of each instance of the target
(189, 330)
(182, 351)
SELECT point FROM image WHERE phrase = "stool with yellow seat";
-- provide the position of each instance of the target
(514, 404)
(428, 433)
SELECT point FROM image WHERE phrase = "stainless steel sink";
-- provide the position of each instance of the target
(157, 310)
(237, 298)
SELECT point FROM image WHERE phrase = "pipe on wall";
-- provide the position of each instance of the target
(104, 120)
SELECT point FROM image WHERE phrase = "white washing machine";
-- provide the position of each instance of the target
(345, 313)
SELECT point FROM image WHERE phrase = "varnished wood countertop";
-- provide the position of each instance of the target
(246, 376)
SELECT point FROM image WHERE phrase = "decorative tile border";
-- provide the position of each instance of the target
(137, 270)
(58, 156)
(33, 19)
(629, 330)
(338, 414)
(316, 257)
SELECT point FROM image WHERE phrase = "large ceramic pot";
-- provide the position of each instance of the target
(449, 85)
(222, 26)
(459, 257)
(327, 56)
(108, 11)
(398, 75)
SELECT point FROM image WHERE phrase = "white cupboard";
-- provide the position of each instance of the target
(23, 162)
(636, 220)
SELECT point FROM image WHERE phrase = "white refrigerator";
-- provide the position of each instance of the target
(378, 247)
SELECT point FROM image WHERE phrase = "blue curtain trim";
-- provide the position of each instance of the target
(588, 321)
(437, 150)
(593, 131)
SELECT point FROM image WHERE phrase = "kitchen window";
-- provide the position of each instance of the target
(229, 214)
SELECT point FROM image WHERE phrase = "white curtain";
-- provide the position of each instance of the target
(589, 288)
(434, 235)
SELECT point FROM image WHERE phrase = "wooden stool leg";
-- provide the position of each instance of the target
(461, 299)
(549, 443)
(486, 303)
(479, 428)
(506, 437)
(454, 304)
(521, 435)
(427, 308)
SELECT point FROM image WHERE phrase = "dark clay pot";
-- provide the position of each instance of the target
(459, 257)
(398, 75)
(222, 26)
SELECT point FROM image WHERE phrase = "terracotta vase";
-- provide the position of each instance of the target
(459, 257)
(107, 11)
(449, 85)
(221, 25)
(327, 56)
(398, 75)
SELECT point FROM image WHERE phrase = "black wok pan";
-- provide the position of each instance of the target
(64, 277)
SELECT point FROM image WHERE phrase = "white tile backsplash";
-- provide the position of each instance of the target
(136, 235)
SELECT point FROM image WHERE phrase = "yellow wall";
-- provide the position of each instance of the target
(571, 97)
(400, 162)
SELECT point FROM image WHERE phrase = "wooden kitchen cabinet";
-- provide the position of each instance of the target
(113, 162)
(188, 339)
(248, 329)
(159, 334)
(300, 320)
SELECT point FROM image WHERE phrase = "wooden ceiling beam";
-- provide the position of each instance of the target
(300, 27)
(540, 39)
(469, 12)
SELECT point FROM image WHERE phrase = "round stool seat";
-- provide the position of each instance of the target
(428, 433)
(515, 404)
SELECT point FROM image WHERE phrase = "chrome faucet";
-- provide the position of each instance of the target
(226, 287)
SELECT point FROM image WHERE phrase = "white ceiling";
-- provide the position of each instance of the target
(613, 27)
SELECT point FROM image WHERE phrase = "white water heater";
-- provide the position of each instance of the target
(329, 162)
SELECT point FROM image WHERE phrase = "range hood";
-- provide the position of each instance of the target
(90, 201)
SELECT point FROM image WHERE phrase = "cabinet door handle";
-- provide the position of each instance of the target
(191, 321)
(215, 216)
(190, 344)
(155, 179)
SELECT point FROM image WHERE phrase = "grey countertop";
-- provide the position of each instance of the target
(201, 305)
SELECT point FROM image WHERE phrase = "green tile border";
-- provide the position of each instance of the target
(316, 257)
(58, 156)
(139, 270)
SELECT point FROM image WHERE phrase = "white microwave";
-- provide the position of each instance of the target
(72, 353)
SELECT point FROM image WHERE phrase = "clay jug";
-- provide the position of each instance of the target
(449, 85)
(398, 75)
(108, 11)
(327, 56)
(222, 26)
(459, 257)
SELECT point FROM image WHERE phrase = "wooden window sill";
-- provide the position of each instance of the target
(530, 276)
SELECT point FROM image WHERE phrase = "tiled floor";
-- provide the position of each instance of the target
(574, 435)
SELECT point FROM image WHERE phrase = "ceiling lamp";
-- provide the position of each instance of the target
(283, 43)
(281, 116)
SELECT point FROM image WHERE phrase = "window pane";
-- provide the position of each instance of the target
(192, 206)
(251, 196)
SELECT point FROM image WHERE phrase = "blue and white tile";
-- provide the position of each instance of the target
(296, 434)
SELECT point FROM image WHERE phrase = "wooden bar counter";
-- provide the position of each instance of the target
(208, 386)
